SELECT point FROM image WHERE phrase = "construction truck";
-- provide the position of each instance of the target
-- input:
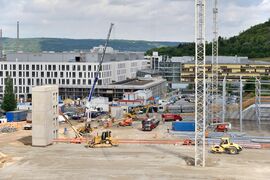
(149, 124)
(220, 127)
(102, 141)
(171, 117)
(226, 146)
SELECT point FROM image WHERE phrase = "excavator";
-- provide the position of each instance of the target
(86, 129)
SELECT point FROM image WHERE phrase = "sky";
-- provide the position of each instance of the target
(156, 20)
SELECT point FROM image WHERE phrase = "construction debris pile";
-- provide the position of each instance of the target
(10, 127)
(7, 129)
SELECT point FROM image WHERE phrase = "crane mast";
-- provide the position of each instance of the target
(200, 83)
(215, 110)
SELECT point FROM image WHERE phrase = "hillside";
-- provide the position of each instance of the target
(254, 43)
(58, 44)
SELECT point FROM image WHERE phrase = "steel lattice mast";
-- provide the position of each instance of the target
(215, 109)
(200, 85)
(224, 99)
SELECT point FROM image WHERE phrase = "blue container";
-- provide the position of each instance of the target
(16, 116)
(183, 126)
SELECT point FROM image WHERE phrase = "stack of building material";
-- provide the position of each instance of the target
(10, 127)
(7, 129)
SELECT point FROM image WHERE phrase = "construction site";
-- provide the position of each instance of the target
(136, 129)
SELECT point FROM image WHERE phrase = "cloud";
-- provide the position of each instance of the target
(171, 20)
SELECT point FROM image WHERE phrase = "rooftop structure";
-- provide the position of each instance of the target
(93, 55)
(182, 69)
(230, 70)
(116, 90)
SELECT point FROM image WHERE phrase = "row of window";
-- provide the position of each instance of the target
(55, 74)
(31, 81)
(46, 67)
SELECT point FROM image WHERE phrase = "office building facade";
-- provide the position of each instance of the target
(69, 70)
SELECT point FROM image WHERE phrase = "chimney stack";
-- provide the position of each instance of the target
(18, 35)
(1, 45)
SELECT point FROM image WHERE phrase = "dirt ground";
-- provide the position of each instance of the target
(74, 161)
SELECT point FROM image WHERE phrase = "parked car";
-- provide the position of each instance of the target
(75, 117)
(70, 114)
(27, 126)
(3, 119)
(62, 119)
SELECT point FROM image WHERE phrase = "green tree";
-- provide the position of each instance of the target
(265, 85)
(9, 101)
(249, 87)
(254, 43)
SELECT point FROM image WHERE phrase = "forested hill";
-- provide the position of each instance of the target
(60, 44)
(254, 43)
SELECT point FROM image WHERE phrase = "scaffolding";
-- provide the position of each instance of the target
(209, 101)
(258, 101)
(241, 104)
(224, 99)
(262, 102)
(200, 85)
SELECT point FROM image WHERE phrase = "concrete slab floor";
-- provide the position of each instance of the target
(74, 161)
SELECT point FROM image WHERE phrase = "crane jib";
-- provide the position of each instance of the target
(100, 64)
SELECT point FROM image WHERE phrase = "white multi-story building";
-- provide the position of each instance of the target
(72, 71)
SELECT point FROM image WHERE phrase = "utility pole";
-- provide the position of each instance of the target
(18, 36)
(200, 85)
(215, 109)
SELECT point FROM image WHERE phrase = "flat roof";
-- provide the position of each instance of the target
(133, 82)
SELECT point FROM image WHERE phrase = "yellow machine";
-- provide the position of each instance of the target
(226, 146)
(105, 140)
(86, 129)
(130, 115)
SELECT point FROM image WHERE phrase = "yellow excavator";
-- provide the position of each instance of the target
(86, 129)
(131, 115)
(102, 141)
(226, 146)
